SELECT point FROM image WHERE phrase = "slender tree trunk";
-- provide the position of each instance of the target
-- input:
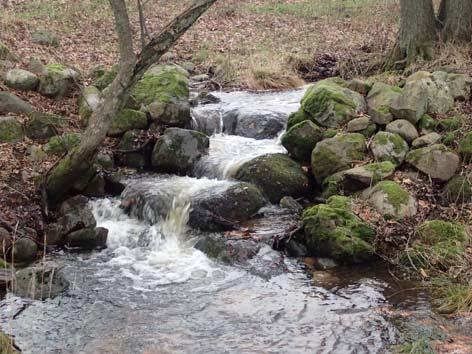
(416, 36)
(456, 20)
(62, 179)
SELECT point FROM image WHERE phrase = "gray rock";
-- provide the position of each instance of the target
(412, 103)
(20, 79)
(426, 140)
(44, 125)
(300, 140)
(57, 81)
(88, 238)
(203, 98)
(46, 38)
(36, 66)
(24, 250)
(437, 161)
(389, 147)
(459, 86)
(259, 124)
(336, 154)
(10, 103)
(358, 124)
(291, 204)
(403, 128)
(178, 149)
(207, 121)
(379, 99)
(276, 175)
(11, 131)
(76, 214)
(88, 103)
(41, 281)
(53, 234)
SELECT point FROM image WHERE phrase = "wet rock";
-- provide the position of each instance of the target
(44, 125)
(391, 200)
(389, 147)
(24, 250)
(20, 79)
(233, 251)
(41, 281)
(87, 238)
(88, 103)
(295, 249)
(325, 263)
(127, 119)
(76, 214)
(10, 103)
(358, 124)
(164, 91)
(300, 140)
(178, 149)
(203, 98)
(458, 190)
(96, 187)
(276, 175)
(403, 128)
(45, 38)
(379, 99)
(331, 105)
(57, 81)
(426, 140)
(289, 203)
(412, 103)
(336, 154)
(11, 131)
(259, 124)
(333, 231)
(113, 184)
(437, 161)
(130, 141)
(207, 121)
(357, 178)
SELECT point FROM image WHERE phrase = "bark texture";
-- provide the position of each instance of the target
(416, 36)
(455, 17)
(66, 176)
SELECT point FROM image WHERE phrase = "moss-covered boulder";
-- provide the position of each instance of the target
(412, 103)
(357, 178)
(332, 230)
(389, 147)
(403, 128)
(391, 200)
(331, 105)
(465, 146)
(57, 81)
(426, 140)
(276, 175)
(10, 103)
(458, 190)
(358, 124)
(178, 149)
(20, 79)
(11, 131)
(105, 78)
(439, 246)
(358, 85)
(379, 99)
(296, 117)
(164, 91)
(88, 103)
(301, 139)
(336, 154)
(127, 119)
(44, 125)
(61, 144)
(437, 161)
(427, 124)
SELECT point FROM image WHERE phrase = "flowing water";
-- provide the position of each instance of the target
(150, 291)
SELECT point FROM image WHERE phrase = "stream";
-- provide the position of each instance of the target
(151, 291)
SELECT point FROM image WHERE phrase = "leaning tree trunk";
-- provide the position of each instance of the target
(455, 17)
(61, 180)
(416, 36)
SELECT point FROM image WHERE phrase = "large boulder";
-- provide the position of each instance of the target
(331, 105)
(276, 175)
(379, 99)
(437, 161)
(257, 124)
(164, 91)
(11, 130)
(178, 149)
(357, 178)
(465, 146)
(10, 103)
(300, 140)
(44, 125)
(88, 103)
(412, 103)
(41, 281)
(403, 128)
(336, 154)
(20, 79)
(57, 81)
(391, 200)
(332, 230)
(207, 121)
(127, 119)
(389, 147)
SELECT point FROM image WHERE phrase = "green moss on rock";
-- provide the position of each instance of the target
(396, 195)
(427, 124)
(127, 119)
(296, 117)
(452, 123)
(11, 131)
(61, 144)
(301, 139)
(465, 146)
(104, 80)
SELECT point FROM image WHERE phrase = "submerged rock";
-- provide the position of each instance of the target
(276, 175)
(337, 154)
(437, 161)
(301, 139)
(333, 231)
(259, 124)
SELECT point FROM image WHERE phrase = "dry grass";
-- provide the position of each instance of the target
(454, 298)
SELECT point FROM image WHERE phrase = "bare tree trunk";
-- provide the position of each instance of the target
(142, 25)
(78, 162)
(456, 20)
(416, 36)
